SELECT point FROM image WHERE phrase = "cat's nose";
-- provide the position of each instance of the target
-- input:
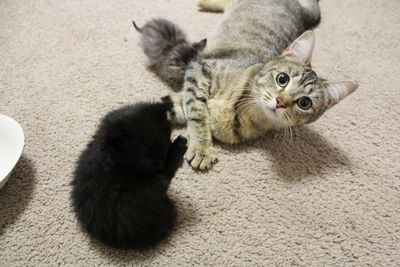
(280, 103)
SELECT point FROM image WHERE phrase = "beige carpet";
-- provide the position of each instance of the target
(330, 198)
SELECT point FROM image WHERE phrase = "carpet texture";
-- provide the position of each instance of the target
(330, 197)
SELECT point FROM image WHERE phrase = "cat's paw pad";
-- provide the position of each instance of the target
(201, 157)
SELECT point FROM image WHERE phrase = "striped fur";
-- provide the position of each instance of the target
(231, 91)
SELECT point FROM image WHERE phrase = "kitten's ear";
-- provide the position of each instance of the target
(339, 90)
(302, 48)
(200, 45)
(165, 105)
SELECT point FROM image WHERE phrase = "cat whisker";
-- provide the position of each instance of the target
(284, 129)
(289, 125)
(246, 104)
(246, 101)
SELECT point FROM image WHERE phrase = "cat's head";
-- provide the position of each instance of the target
(183, 53)
(290, 93)
(140, 137)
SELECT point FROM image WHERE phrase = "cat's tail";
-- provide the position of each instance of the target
(213, 5)
(312, 12)
(168, 50)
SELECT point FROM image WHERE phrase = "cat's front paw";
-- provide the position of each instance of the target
(201, 157)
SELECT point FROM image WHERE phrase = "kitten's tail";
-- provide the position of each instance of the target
(136, 27)
(312, 12)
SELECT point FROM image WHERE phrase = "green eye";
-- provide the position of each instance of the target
(282, 79)
(304, 102)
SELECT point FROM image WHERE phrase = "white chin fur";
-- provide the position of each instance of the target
(270, 114)
(270, 110)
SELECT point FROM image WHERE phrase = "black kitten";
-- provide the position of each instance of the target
(121, 179)
(166, 46)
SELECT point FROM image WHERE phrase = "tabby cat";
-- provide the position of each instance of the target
(253, 76)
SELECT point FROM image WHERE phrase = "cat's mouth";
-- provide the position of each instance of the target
(271, 110)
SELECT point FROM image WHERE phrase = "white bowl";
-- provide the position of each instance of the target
(11, 145)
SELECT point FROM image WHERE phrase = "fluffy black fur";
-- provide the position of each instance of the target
(166, 46)
(121, 179)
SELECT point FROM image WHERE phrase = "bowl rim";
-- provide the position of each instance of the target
(20, 147)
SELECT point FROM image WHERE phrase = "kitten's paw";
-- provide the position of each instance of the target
(181, 142)
(201, 157)
(176, 115)
(179, 146)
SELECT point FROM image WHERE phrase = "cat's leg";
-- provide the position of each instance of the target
(176, 115)
(196, 92)
(175, 157)
(214, 5)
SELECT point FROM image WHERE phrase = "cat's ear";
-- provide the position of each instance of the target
(339, 90)
(302, 48)
(165, 105)
(200, 45)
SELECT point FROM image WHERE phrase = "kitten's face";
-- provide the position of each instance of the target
(290, 93)
(140, 138)
(180, 57)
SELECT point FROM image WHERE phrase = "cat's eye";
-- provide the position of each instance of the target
(282, 79)
(304, 102)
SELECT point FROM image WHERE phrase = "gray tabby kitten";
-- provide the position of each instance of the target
(254, 76)
(168, 50)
